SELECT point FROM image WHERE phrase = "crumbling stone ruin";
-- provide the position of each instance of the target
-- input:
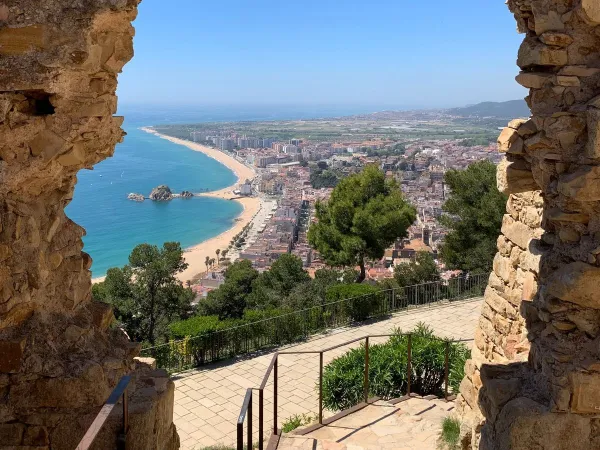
(534, 378)
(59, 357)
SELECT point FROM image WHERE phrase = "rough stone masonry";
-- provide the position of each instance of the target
(59, 357)
(534, 378)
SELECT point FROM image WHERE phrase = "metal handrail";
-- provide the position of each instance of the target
(246, 409)
(220, 343)
(119, 391)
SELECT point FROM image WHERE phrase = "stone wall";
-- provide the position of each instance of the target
(534, 377)
(59, 359)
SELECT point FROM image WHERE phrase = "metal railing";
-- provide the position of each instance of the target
(298, 325)
(120, 391)
(246, 410)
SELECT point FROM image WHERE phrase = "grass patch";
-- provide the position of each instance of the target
(450, 435)
(297, 421)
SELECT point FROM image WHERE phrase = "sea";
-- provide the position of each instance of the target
(115, 225)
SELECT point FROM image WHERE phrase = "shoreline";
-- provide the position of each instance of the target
(196, 254)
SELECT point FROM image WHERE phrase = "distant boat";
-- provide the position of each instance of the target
(100, 176)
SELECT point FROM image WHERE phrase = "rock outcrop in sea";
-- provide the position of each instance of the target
(136, 197)
(186, 194)
(161, 193)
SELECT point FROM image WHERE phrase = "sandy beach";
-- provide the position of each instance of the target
(196, 254)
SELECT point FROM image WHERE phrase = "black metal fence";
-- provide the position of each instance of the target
(298, 325)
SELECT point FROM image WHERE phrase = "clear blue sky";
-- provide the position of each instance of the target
(403, 53)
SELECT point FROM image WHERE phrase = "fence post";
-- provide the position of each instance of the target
(321, 387)
(446, 370)
(409, 365)
(240, 436)
(261, 419)
(122, 438)
(275, 395)
(249, 445)
(366, 383)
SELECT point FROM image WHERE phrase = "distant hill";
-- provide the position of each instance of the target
(510, 109)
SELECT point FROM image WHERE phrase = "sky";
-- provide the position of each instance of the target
(397, 53)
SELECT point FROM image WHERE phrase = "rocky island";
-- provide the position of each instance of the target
(136, 197)
(161, 193)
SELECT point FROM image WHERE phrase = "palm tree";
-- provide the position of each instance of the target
(218, 252)
(207, 262)
(224, 253)
(212, 262)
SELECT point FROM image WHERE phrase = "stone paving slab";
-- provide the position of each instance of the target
(208, 400)
(414, 424)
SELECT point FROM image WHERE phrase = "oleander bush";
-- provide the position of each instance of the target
(343, 378)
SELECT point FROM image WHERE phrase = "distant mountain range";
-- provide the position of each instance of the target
(509, 110)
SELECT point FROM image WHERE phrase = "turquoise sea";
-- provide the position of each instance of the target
(115, 225)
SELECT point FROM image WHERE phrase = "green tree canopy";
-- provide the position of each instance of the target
(422, 270)
(271, 286)
(365, 214)
(145, 294)
(474, 213)
(230, 299)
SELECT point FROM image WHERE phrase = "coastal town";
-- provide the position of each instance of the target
(283, 180)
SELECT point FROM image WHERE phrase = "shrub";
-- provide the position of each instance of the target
(365, 300)
(450, 435)
(343, 378)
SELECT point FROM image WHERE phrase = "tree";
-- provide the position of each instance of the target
(473, 213)
(422, 270)
(207, 262)
(218, 252)
(145, 294)
(277, 283)
(365, 214)
(229, 300)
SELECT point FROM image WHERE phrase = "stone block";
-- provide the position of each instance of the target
(507, 139)
(586, 393)
(591, 11)
(524, 424)
(518, 233)
(47, 144)
(556, 39)
(547, 20)
(582, 184)
(527, 129)
(11, 355)
(533, 53)
(556, 215)
(576, 283)
(17, 41)
(144, 363)
(567, 81)
(36, 436)
(514, 177)
(11, 433)
(102, 314)
(579, 71)
(534, 80)
(592, 149)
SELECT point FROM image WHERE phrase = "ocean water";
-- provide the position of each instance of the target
(115, 225)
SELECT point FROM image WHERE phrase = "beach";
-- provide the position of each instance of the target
(196, 255)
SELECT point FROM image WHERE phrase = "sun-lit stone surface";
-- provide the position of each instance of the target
(59, 360)
(536, 353)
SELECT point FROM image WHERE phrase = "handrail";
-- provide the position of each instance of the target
(382, 291)
(246, 409)
(119, 391)
(273, 331)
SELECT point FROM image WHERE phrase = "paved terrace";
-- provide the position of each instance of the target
(208, 400)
